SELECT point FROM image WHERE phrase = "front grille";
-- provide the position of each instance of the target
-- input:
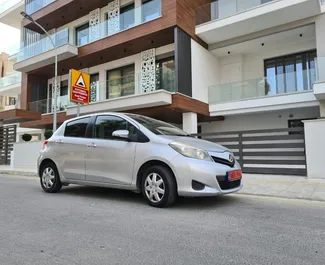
(223, 161)
(226, 185)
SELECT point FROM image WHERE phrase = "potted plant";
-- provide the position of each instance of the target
(26, 137)
(48, 134)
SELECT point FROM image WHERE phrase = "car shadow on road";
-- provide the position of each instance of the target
(131, 197)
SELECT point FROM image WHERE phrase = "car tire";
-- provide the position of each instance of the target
(159, 186)
(50, 178)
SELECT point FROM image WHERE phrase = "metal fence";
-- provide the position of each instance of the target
(7, 140)
(275, 151)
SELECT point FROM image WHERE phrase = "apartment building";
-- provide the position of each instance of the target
(207, 66)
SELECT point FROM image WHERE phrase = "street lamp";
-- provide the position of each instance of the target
(28, 17)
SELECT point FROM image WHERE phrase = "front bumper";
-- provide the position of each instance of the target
(208, 173)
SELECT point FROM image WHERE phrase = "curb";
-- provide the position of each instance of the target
(19, 173)
(283, 197)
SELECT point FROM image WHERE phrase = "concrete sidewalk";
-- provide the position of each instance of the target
(24, 171)
(292, 187)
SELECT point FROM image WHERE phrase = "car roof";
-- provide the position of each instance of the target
(99, 113)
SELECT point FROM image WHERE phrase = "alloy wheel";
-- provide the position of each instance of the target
(48, 177)
(154, 187)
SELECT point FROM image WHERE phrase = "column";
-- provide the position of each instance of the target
(190, 122)
(314, 142)
(322, 108)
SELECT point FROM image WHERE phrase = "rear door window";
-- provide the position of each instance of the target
(77, 128)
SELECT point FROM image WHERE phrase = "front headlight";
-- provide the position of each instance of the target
(190, 151)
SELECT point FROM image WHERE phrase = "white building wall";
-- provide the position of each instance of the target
(260, 121)
(205, 71)
(320, 35)
(248, 66)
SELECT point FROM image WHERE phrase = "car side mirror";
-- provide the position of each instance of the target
(123, 134)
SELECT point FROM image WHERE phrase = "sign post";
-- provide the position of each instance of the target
(79, 83)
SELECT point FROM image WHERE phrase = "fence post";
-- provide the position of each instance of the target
(240, 144)
(6, 144)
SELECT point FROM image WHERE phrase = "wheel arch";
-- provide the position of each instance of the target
(148, 164)
(43, 163)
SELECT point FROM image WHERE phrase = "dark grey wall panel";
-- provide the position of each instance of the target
(183, 62)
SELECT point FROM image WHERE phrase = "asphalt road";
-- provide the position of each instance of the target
(84, 225)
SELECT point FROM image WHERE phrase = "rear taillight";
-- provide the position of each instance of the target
(45, 144)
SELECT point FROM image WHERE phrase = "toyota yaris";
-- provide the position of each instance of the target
(133, 152)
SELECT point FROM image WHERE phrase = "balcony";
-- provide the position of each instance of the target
(10, 85)
(34, 5)
(227, 19)
(117, 94)
(282, 91)
(10, 12)
(319, 86)
(127, 20)
(41, 53)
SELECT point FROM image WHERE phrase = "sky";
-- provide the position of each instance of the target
(9, 35)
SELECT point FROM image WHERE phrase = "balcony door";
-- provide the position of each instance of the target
(120, 82)
(290, 73)
(165, 74)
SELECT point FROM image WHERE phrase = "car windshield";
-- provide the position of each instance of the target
(159, 127)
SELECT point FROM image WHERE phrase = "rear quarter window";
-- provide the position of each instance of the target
(77, 128)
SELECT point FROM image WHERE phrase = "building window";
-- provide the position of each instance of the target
(165, 74)
(120, 82)
(127, 17)
(12, 101)
(82, 35)
(290, 73)
(150, 10)
(64, 87)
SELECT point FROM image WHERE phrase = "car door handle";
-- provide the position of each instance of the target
(91, 145)
(59, 141)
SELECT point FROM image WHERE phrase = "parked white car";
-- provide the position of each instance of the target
(138, 153)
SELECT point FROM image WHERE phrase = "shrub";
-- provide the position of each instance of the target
(27, 137)
(48, 134)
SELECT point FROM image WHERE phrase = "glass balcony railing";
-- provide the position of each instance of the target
(225, 8)
(113, 88)
(320, 69)
(8, 4)
(46, 106)
(144, 13)
(264, 86)
(60, 38)
(34, 5)
(10, 80)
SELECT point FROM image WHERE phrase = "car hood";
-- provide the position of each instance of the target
(198, 143)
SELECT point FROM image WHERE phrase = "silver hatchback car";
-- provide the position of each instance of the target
(137, 153)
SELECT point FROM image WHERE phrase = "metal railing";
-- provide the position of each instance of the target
(221, 9)
(10, 80)
(264, 86)
(60, 38)
(8, 4)
(110, 89)
(34, 5)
